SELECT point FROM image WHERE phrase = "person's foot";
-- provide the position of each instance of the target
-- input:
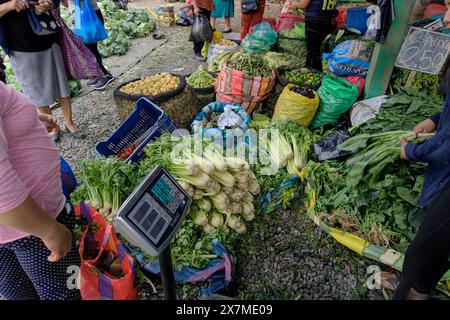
(102, 83)
(414, 295)
(199, 57)
(74, 131)
(92, 82)
(388, 280)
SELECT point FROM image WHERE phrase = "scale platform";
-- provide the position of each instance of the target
(153, 213)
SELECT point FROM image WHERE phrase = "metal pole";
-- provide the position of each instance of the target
(167, 277)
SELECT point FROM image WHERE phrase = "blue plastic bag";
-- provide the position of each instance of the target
(350, 58)
(262, 39)
(87, 24)
(219, 272)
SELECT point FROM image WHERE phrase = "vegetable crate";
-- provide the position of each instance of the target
(146, 123)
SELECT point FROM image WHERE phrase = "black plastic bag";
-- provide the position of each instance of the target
(201, 30)
(387, 17)
(327, 149)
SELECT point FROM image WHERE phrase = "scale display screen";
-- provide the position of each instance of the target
(152, 215)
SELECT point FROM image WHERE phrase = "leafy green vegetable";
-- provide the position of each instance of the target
(122, 26)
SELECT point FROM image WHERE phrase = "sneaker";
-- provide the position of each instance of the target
(92, 82)
(103, 82)
(199, 58)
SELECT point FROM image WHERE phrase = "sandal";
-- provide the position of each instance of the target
(79, 134)
(227, 31)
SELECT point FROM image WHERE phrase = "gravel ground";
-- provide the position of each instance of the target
(284, 256)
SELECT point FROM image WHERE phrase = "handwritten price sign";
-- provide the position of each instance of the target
(424, 51)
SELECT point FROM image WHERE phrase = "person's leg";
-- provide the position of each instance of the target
(227, 24)
(66, 106)
(259, 14)
(426, 259)
(213, 23)
(246, 22)
(93, 47)
(52, 280)
(315, 33)
(198, 46)
(14, 282)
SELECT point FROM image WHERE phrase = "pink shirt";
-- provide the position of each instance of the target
(29, 160)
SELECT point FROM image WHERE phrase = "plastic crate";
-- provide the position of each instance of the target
(147, 120)
(357, 19)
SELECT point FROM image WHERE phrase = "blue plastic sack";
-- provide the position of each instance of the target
(262, 39)
(87, 24)
(219, 272)
(68, 180)
(350, 58)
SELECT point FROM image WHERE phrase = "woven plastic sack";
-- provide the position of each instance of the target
(262, 39)
(87, 23)
(101, 241)
(350, 58)
(337, 96)
(237, 87)
(79, 62)
(294, 106)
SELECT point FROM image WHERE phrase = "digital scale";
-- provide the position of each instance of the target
(151, 217)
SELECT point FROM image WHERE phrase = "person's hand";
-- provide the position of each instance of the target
(18, 5)
(49, 121)
(426, 126)
(58, 241)
(43, 6)
(196, 11)
(404, 143)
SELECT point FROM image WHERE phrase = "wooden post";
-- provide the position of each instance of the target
(384, 56)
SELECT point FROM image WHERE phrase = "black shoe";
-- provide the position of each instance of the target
(92, 82)
(102, 83)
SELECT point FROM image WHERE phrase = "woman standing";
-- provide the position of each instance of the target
(204, 8)
(427, 257)
(37, 60)
(223, 9)
(252, 18)
(318, 24)
(37, 249)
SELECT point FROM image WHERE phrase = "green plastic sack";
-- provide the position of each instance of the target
(262, 39)
(294, 106)
(337, 96)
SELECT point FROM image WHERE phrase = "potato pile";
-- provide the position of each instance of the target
(152, 86)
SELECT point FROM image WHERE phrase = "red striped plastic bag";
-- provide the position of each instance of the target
(100, 246)
(236, 87)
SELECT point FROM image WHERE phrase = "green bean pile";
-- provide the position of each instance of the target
(251, 64)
